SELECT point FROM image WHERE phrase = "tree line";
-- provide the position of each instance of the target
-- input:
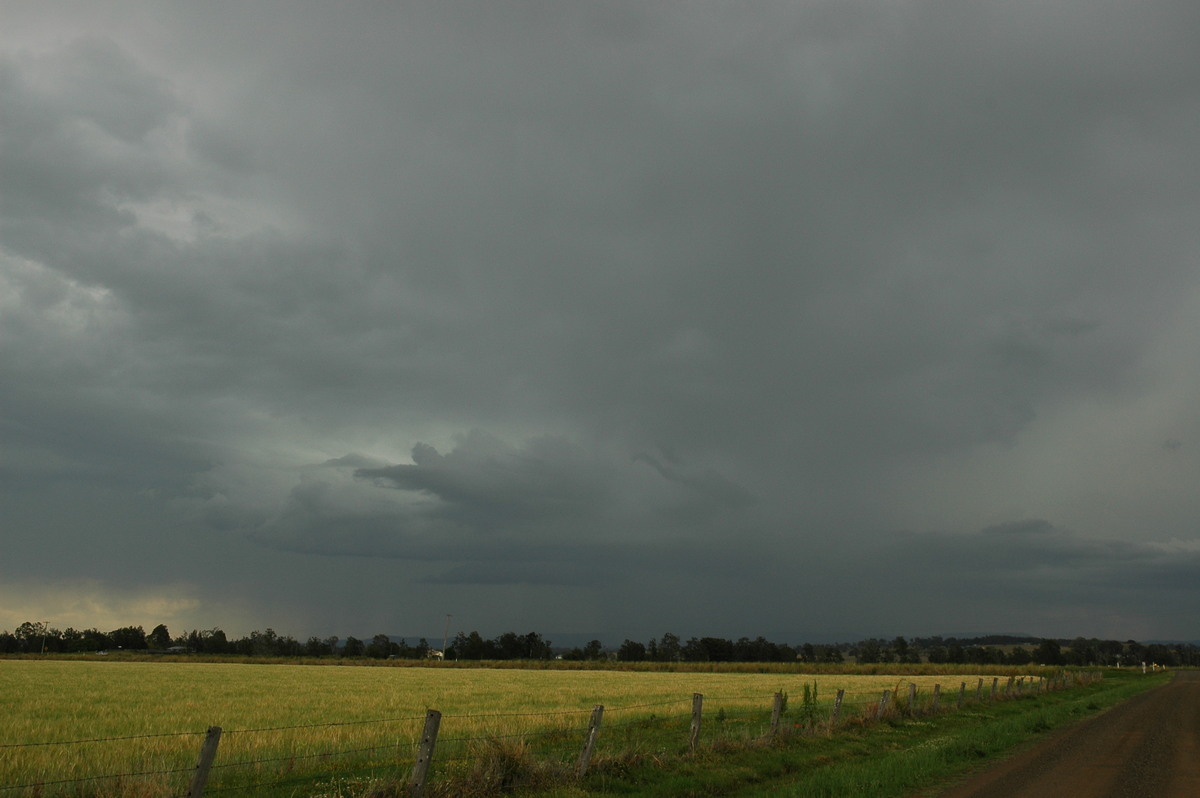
(33, 637)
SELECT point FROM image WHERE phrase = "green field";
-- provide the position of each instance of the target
(100, 728)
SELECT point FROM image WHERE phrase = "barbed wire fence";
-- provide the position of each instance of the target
(474, 748)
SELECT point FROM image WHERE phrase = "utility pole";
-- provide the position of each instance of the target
(446, 634)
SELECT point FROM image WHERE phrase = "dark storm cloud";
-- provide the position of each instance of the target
(689, 299)
(484, 482)
(544, 512)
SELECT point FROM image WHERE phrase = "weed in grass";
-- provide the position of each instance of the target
(348, 788)
(500, 766)
(810, 710)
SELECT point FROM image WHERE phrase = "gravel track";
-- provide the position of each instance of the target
(1146, 746)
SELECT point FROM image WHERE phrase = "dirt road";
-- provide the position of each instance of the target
(1148, 746)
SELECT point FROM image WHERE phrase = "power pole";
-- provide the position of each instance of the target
(446, 634)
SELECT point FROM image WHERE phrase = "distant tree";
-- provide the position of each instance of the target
(984, 655)
(159, 637)
(31, 636)
(215, 641)
(593, 650)
(669, 648)
(381, 647)
(536, 647)
(129, 637)
(758, 650)
(869, 651)
(377, 648)
(46, 639)
(717, 649)
(471, 646)
(631, 652)
(1159, 654)
(264, 644)
(1188, 655)
(1049, 652)
(510, 646)
(353, 647)
(1110, 651)
(819, 653)
(72, 639)
(693, 651)
(95, 640)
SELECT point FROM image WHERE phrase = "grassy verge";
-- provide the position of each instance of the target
(896, 757)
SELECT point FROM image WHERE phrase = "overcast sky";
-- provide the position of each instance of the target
(810, 320)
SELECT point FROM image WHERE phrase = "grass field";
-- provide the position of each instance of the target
(904, 756)
(71, 726)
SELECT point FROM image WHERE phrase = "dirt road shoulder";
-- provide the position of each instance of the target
(1146, 746)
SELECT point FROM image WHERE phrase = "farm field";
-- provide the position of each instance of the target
(124, 728)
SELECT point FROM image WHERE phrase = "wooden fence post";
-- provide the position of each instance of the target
(589, 741)
(995, 684)
(208, 752)
(962, 693)
(697, 710)
(883, 703)
(937, 693)
(912, 698)
(1009, 686)
(837, 707)
(979, 689)
(420, 771)
(776, 713)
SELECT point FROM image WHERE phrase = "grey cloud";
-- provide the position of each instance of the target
(1030, 577)
(569, 574)
(77, 144)
(1033, 526)
(99, 82)
(320, 518)
(708, 484)
(485, 482)
(545, 512)
(355, 461)
(721, 287)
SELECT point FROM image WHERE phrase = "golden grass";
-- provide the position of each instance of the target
(305, 721)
